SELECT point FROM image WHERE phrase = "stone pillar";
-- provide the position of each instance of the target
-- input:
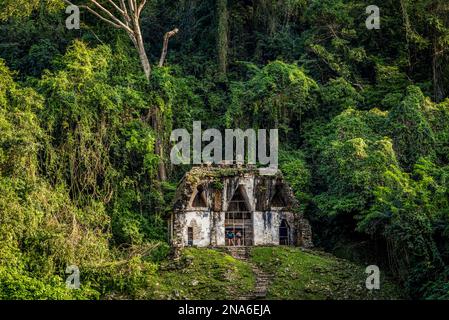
(305, 233)
(213, 228)
(178, 229)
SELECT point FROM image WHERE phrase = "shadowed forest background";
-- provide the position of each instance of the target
(363, 118)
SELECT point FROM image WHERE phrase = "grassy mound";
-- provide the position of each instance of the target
(311, 275)
(204, 274)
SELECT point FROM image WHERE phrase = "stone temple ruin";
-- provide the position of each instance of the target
(236, 206)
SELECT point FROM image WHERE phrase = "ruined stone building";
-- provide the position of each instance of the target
(212, 201)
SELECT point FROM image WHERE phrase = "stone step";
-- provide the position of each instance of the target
(238, 252)
(263, 279)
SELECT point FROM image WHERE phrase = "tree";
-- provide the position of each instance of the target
(412, 134)
(120, 14)
(125, 15)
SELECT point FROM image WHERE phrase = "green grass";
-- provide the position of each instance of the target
(312, 275)
(204, 274)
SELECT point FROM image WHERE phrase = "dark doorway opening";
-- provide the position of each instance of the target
(190, 236)
(284, 233)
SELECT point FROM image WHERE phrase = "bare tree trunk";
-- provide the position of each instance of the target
(161, 171)
(156, 118)
(439, 10)
(222, 35)
(143, 57)
(159, 144)
(407, 27)
(438, 89)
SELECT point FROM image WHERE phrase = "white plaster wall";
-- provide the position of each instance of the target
(201, 235)
(266, 226)
(266, 231)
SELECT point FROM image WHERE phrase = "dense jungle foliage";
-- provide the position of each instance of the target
(363, 118)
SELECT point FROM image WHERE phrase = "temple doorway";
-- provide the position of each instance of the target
(284, 233)
(238, 221)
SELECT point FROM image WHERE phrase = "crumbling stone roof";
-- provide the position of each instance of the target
(212, 179)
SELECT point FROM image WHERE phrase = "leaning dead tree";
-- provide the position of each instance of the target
(125, 15)
(167, 37)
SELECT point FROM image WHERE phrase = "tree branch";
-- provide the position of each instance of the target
(141, 6)
(131, 5)
(101, 17)
(116, 6)
(125, 12)
(114, 18)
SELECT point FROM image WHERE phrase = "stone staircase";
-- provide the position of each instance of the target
(239, 252)
(263, 279)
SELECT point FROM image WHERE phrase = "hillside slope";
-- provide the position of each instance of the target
(295, 274)
(310, 274)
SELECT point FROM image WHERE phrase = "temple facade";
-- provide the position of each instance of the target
(236, 206)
